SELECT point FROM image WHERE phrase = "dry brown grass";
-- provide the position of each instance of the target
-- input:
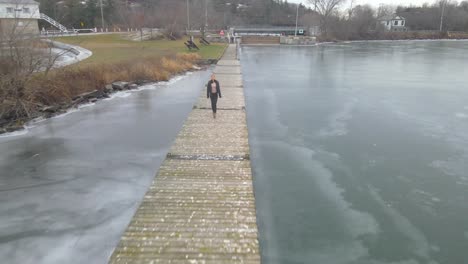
(63, 84)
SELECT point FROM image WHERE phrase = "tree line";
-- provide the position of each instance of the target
(215, 14)
(364, 21)
(331, 16)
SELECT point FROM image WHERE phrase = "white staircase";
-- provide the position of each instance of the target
(53, 22)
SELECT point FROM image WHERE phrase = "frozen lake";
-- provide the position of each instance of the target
(360, 151)
(70, 185)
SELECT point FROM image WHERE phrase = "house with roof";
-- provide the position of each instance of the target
(393, 23)
(19, 17)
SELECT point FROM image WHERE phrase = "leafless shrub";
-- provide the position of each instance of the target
(20, 59)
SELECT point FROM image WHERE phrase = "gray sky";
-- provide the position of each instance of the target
(376, 3)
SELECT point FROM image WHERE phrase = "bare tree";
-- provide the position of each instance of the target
(452, 16)
(325, 8)
(22, 57)
(385, 10)
(362, 21)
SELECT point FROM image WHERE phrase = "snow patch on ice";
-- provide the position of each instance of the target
(15, 133)
(86, 105)
(337, 125)
(173, 80)
(70, 111)
(461, 115)
(121, 94)
(418, 240)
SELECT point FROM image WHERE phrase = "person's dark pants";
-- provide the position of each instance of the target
(214, 101)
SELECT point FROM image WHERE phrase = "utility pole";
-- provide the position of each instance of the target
(206, 14)
(350, 12)
(188, 16)
(102, 16)
(297, 16)
(444, 2)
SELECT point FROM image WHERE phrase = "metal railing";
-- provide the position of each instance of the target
(57, 33)
(53, 22)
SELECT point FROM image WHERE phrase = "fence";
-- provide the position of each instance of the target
(76, 31)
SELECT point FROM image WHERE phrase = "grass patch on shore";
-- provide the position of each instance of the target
(110, 48)
(26, 94)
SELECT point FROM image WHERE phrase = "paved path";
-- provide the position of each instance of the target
(201, 207)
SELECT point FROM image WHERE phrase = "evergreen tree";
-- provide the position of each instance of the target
(109, 7)
(73, 13)
(91, 12)
(48, 7)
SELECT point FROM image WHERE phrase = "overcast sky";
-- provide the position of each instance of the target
(376, 3)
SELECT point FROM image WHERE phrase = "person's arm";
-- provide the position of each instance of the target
(219, 90)
(208, 90)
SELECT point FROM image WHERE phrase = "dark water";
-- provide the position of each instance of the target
(70, 186)
(360, 152)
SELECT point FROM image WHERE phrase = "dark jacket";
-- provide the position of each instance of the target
(208, 89)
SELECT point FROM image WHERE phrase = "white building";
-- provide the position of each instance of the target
(394, 23)
(19, 17)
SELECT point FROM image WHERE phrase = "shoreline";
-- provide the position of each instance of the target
(353, 41)
(20, 126)
(395, 40)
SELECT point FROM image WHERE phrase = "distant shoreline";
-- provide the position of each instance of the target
(351, 41)
(395, 40)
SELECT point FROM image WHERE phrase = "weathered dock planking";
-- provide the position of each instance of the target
(200, 207)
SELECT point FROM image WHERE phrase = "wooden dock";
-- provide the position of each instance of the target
(200, 207)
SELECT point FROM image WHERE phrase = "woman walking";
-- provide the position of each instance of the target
(213, 91)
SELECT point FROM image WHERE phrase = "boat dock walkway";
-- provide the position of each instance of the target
(200, 207)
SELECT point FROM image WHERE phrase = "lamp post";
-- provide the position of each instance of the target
(297, 16)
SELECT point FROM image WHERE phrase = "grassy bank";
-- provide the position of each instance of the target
(118, 59)
(24, 95)
(114, 48)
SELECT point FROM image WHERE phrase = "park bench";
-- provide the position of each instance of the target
(204, 41)
(191, 45)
